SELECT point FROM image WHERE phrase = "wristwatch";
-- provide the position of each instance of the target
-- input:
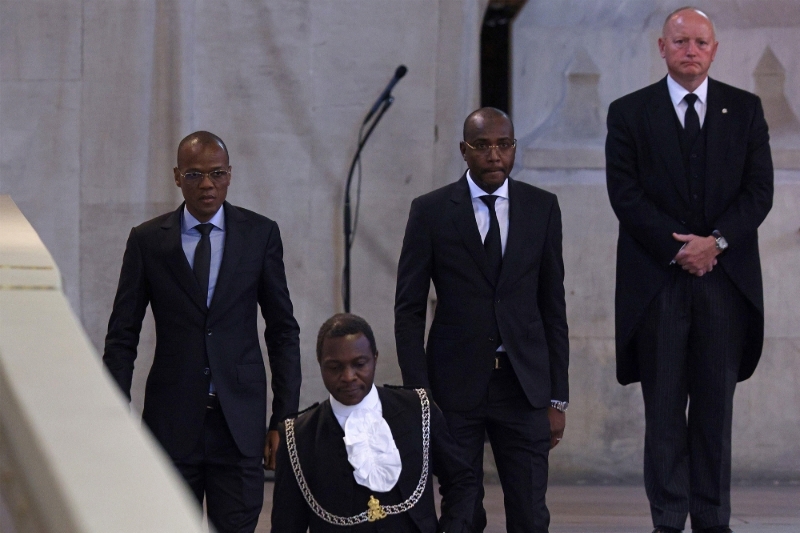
(559, 406)
(722, 244)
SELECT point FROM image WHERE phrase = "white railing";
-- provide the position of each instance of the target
(72, 458)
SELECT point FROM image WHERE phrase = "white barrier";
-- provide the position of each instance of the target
(72, 458)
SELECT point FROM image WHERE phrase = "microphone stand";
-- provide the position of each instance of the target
(348, 224)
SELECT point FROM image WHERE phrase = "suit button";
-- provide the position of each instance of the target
(694, 156)
(208, 332)
(497, 301)
(206, 371)
(694, 196)
(491, 339)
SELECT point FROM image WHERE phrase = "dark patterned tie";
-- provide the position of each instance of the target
(691, 122)
(492, 243)
(202, 256)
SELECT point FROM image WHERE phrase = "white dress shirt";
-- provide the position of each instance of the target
(481, 210)
(677, 93)
(371, 449)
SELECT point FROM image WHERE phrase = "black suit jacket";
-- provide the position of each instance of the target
(155, 271)
(323, 459)
(442, 243)
(649, 192)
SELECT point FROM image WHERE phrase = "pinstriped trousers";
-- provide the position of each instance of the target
(689, 345)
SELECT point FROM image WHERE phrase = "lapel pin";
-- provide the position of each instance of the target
(724, 110)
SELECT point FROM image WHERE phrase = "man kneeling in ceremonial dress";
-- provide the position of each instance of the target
(363, 460)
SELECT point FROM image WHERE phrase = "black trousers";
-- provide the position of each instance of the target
(233, 484)
(690, 346)
(520, 440)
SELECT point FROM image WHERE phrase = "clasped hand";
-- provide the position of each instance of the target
(698, 255)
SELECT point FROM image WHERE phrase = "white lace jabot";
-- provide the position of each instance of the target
(370, 445)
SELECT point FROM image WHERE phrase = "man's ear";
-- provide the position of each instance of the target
(177, 175)
(463, 148)
(376, 355)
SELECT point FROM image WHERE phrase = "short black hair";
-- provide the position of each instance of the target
(484, 112)
(341, 325)
(203, 138)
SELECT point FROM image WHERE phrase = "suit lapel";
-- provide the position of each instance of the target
(463, 217)
(236, 228)
(661, 115)
(516, 250)
(718, 132)
(404, 439)
(176, 259)
(333, 476)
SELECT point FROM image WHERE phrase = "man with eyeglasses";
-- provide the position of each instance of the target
(497, 353)
(203, 269)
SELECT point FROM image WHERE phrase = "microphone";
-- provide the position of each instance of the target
(399, 73)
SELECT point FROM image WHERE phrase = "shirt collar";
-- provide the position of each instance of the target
(677, 92)
(188, 221)
(477, 192)
(371, 401)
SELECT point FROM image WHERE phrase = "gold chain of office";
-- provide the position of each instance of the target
(375, 510)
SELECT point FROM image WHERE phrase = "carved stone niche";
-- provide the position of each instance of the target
(784, 128)
(573, 136)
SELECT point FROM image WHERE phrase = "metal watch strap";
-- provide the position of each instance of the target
(559, 405)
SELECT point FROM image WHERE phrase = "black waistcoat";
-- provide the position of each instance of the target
(694, 164)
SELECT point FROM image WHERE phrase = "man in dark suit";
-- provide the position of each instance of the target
(203, 269)
(690, 179)
(364, 457)
(498, 350)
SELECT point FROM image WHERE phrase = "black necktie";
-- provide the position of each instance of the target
(691, 122)
(492, 244)
(202, 256)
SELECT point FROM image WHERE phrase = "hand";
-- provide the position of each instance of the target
(698, 255)
(271, 449)
(558, 421)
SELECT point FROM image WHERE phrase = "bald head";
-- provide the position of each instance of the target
(681, 11)
(478, 119)
(195, 143)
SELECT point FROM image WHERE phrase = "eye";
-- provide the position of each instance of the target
(481, 146)
(504, 145)
(218, 174)
(193, 175)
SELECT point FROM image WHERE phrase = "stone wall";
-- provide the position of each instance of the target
(95, 95)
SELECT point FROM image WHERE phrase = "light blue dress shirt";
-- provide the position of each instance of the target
(190, 237)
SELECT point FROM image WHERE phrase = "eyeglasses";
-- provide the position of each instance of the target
(484, 148)
(195, 176)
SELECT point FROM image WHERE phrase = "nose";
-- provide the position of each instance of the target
(494, 153)
(348, 374)
(206, 182)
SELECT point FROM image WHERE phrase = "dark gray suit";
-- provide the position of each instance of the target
(684, 336)
(525, 305)
(192, 337)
